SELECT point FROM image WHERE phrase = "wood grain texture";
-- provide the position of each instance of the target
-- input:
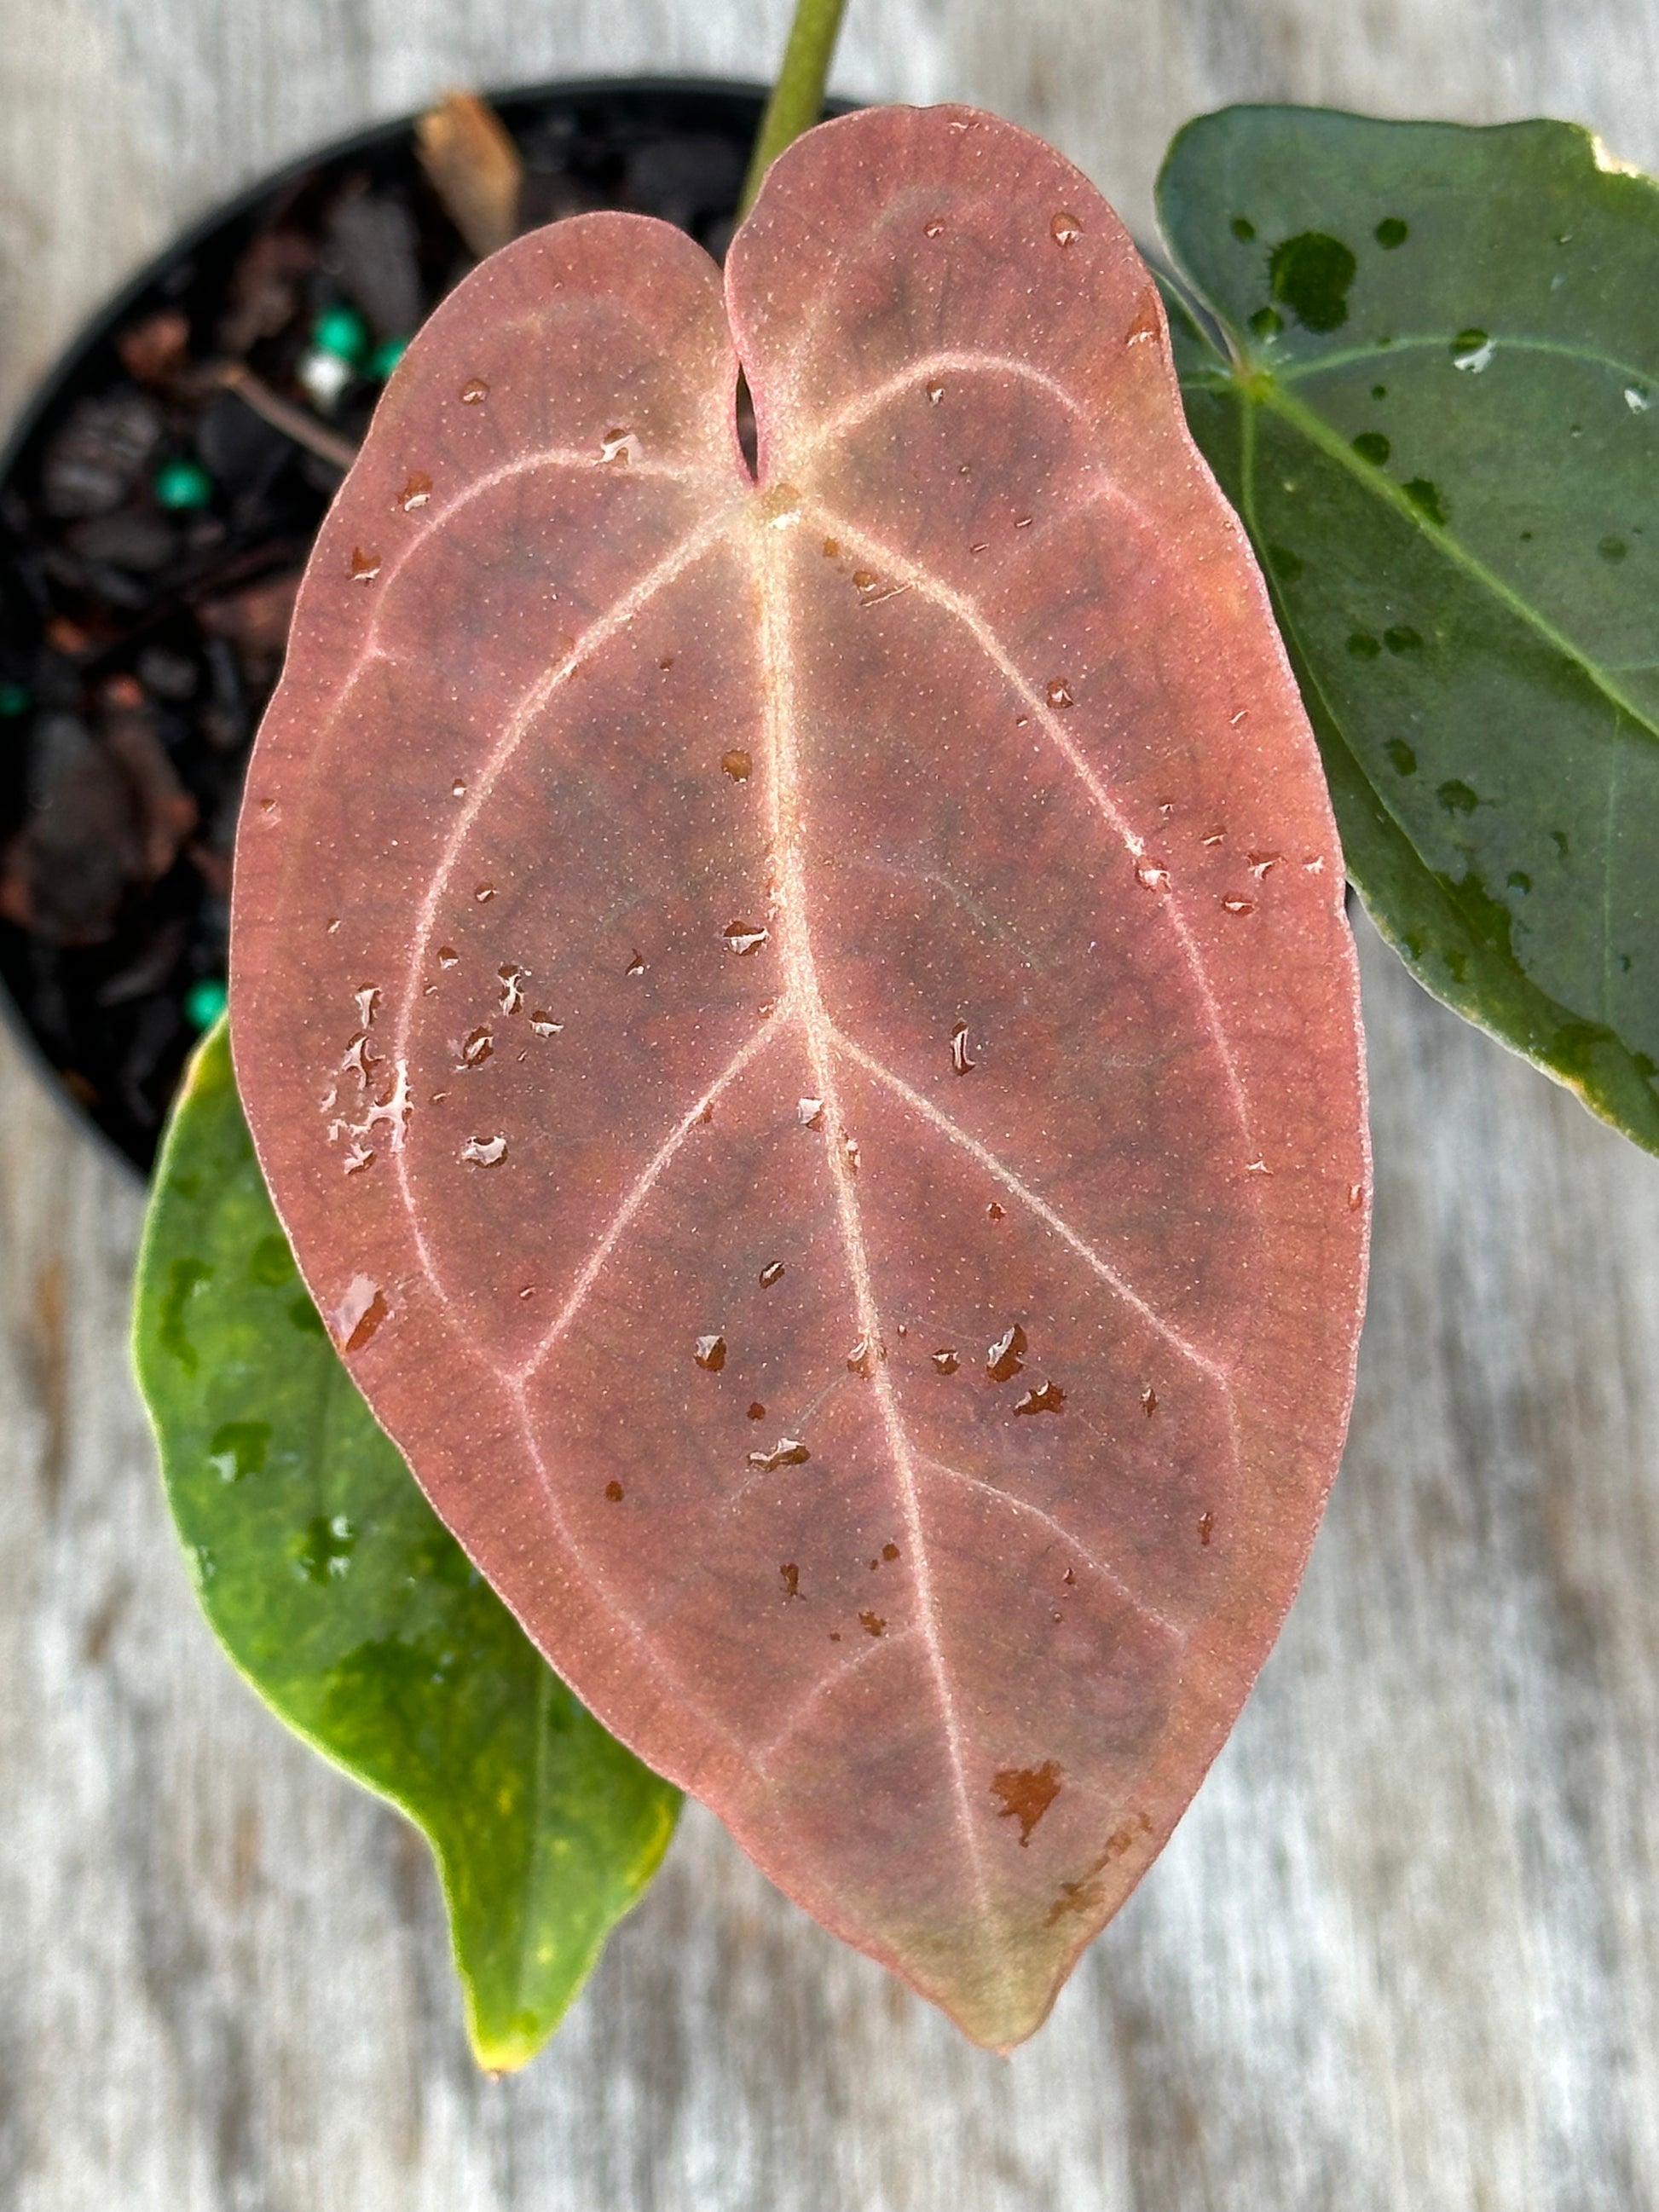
(1404, 1951)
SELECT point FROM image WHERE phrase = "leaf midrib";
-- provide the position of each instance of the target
(1334, 721)
(1266, 392)
(1501, 341)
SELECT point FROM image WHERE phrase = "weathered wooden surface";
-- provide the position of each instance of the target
(1405, 1950)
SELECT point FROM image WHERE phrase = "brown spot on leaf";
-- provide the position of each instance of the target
(791, 1574)
(872, 1623)
(1088, 1893)
(613, 1490)
(1026, 1792)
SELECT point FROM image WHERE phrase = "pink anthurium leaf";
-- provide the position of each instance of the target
(805, 1034)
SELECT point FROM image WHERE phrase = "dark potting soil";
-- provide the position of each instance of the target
(155, 513)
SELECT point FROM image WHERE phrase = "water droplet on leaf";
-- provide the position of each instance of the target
(1471, 349)
(1064, 227)
(358, 1314)
(1311, 275)
(1005, 1359)
(1425, 496)
(789, 1451)
(1044, 1398)
(484, 1152)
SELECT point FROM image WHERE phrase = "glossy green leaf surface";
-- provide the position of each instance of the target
(1432, 391)
(353, 1613)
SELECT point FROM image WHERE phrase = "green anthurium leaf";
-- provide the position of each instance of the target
(1423, 361)
(353, 1613)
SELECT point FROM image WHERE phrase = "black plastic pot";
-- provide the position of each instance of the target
(151, 525)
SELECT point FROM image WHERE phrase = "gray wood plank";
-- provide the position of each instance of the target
(1404, 1952)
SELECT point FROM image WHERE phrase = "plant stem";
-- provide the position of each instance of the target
(798, 96)
(293, 421)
